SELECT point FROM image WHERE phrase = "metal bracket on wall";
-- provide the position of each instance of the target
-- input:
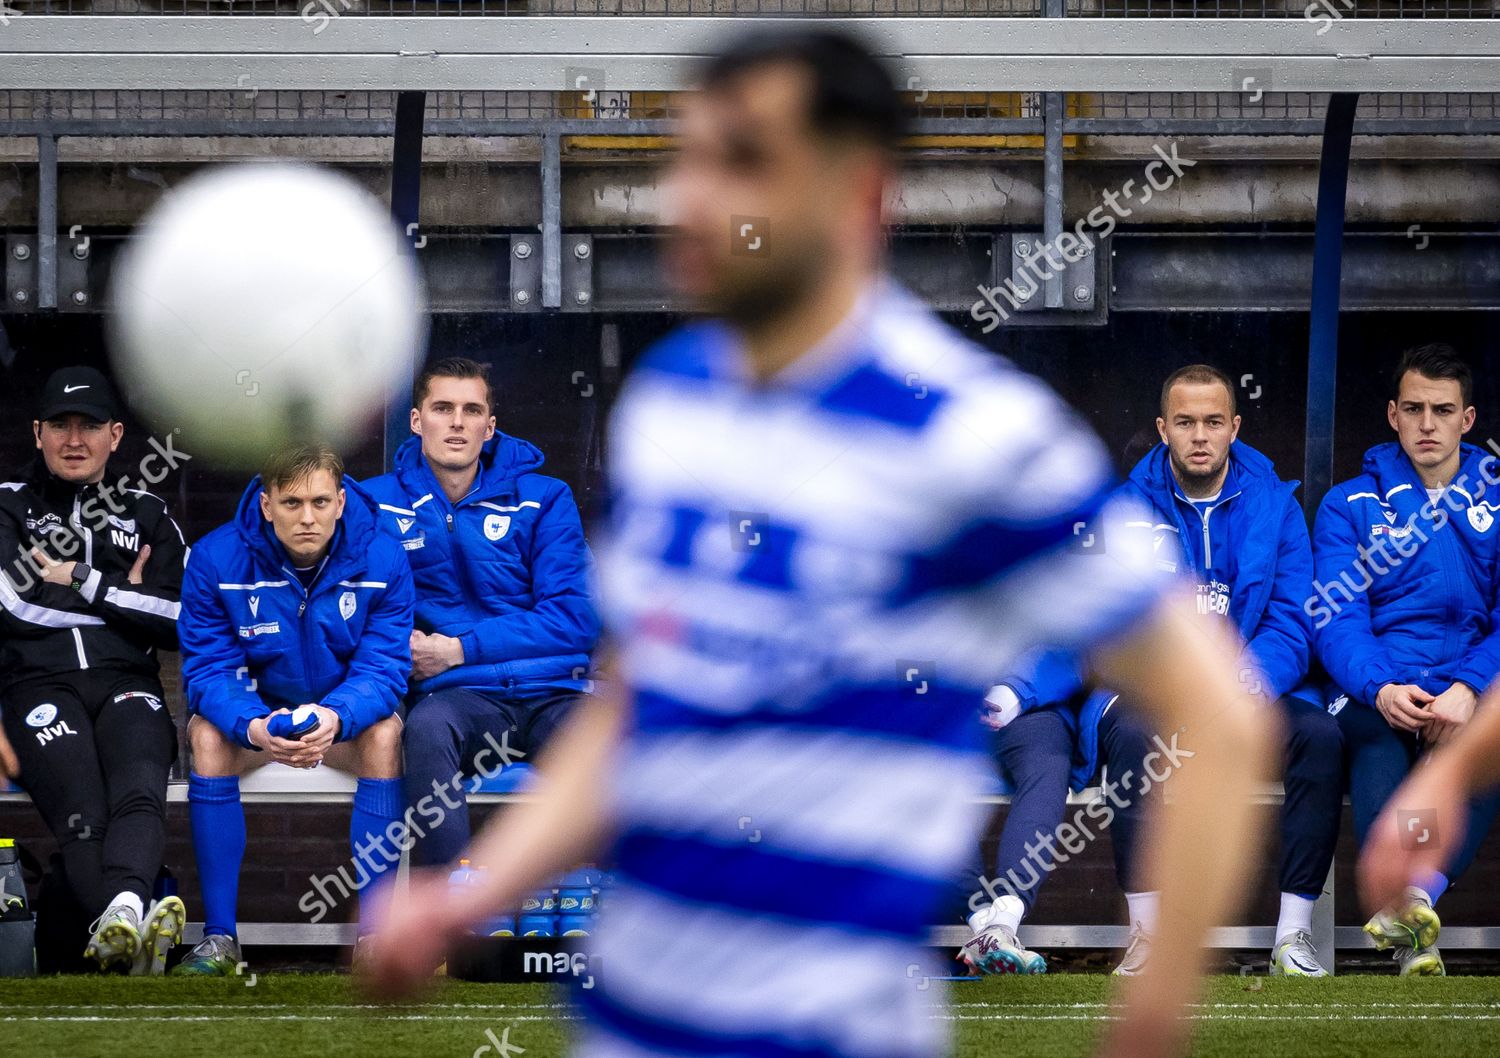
(20, 273)
(577, 273)
(75, 293)
(525, 273)
(23, 267)
(1023, 276)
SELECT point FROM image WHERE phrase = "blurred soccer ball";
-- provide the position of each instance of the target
(263, 304)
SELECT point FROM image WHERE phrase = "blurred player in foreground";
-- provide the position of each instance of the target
(834, 523)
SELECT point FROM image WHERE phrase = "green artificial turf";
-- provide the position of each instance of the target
(291, 1016)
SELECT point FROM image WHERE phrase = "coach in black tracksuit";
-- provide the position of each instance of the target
(92, 567)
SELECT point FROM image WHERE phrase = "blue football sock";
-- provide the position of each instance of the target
(377, 804)
(1434, 885)
(219, 846)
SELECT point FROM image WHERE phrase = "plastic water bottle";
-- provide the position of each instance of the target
(295, 725)
(12, 887)
(501, 926)
(467, 875)
(538, 916)
(536, 925)
(463, 877)
(575, 903)
(603, 883)
(575, 893)
(17, 928)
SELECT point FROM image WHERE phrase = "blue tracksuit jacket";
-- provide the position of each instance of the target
(1253, 560)
(1406, 588)
(254, 641)
(505, 569)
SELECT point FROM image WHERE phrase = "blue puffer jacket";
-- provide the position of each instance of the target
(1260, 542)
(1419, 604)
(253, 641)
(1259, 535)
(505, 570)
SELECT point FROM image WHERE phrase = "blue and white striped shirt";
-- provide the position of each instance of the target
(811, 582)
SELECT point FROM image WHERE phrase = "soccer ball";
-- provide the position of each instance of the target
(263, 304)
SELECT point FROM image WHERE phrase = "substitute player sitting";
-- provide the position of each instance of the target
(504, 622)
(1407, 615)
(296, 620)
(1224, 517)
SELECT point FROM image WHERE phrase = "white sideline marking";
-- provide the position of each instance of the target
(1249, 1005)
(1212, 1018)
(997, 1012)
(1012, 1008)
(1006, 1017)
(219, 1016)
(302, 1006)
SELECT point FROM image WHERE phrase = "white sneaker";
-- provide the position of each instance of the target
(117, 937)
(1295, 956)
(995, 950)
(1137, 951)
(160, 934)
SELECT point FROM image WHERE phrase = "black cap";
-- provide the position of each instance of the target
(78, 389)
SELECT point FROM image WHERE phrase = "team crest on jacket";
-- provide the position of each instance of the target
(496, 525)
(346, 605)
(1481, 519)
(42, 715)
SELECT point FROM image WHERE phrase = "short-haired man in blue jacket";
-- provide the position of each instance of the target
(505, 620)
(1405, 614)
(298, 610)
(1236, 530)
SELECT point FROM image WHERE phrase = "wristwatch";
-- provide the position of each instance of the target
(81, 574)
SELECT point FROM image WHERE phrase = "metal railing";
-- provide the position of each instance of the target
(772, 8)
(84, 111)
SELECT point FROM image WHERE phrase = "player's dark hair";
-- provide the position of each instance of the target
(452, 367)
(1435, 360)
(289, 465)
(1198, 375)
(853, 95)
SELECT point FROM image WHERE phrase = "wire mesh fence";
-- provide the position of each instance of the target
(251, 106)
